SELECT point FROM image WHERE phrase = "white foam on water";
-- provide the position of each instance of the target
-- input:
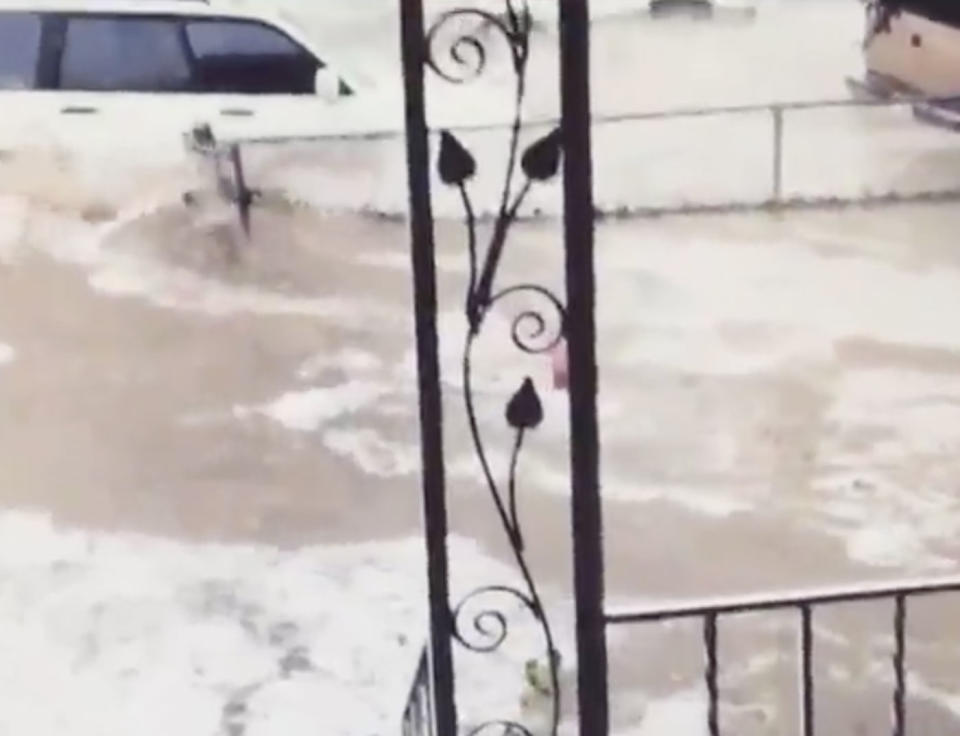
(538, 474)
(309, 410)
(7, 354)
(945, 698)
(791, 296)
(178, 289)
(107, 633)
(706, 501)
(68, 238)
(400, 261)
(887, 517)
(372, 453)
(681, 713)
(350, 361)
(13, 226)
(893, 545)
(886, 524)
(921, 410)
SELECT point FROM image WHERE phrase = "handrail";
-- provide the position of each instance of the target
(776, 199)
(768, 602)
(805, 603)
(639, 115)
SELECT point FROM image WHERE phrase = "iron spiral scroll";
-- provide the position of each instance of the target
(534, 330)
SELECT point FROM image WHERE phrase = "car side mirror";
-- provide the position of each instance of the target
(327, 84)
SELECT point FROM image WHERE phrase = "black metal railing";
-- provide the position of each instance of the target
(804, 603)
(417, 715)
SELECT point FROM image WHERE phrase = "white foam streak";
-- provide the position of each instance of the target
(107, 633)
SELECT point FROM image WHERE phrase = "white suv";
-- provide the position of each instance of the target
(131, 77)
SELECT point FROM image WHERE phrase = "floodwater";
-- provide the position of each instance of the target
(210, 455)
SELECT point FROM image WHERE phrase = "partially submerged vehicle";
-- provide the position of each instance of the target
(118, 86)
(911, 49)
(119, 72)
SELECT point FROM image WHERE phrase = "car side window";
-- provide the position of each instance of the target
(124, 55)
(19, 50)
(224, 38)
(247, 57)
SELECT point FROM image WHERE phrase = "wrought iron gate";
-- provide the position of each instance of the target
(431, 709)
(570, 320)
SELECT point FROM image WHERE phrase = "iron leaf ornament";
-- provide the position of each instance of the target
(456, 165)
(525, 410)
(541, 161)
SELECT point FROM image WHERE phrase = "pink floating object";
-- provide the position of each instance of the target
(558, 359)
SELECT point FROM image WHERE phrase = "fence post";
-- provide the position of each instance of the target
(777, 111)
(413, 45)
(581, 339)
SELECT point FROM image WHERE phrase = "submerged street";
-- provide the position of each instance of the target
(210, 460)
(792, 406)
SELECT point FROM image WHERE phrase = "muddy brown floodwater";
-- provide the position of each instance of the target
(780, 407)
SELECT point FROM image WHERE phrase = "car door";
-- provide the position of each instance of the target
(26, 110)
(259, 81)
(126, 89)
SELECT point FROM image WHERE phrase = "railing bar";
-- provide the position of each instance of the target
(806, 669)
(427, 712)
(899, 653)
(777, 153)
(418, 714)
(549, 122)
(752, 604)
(428, 699)
(792, 203)
(686, 112)
(713, 690)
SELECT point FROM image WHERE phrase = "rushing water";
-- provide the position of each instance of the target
(233, 425)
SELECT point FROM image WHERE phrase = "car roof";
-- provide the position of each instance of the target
(240, 9)
(232, 8)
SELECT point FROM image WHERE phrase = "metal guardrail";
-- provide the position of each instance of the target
(786, 204)
(775, 200)
(640, 115)
(805, 604)
(417, 715)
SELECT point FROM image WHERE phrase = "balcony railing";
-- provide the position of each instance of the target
(805, 604)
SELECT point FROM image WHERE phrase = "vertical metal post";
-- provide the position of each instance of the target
(900, 681)
(806, 670)
(581, 341)
(777, 152)
(428, 366)
(712, 674)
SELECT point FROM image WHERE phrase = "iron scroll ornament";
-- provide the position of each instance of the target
(534, 331)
